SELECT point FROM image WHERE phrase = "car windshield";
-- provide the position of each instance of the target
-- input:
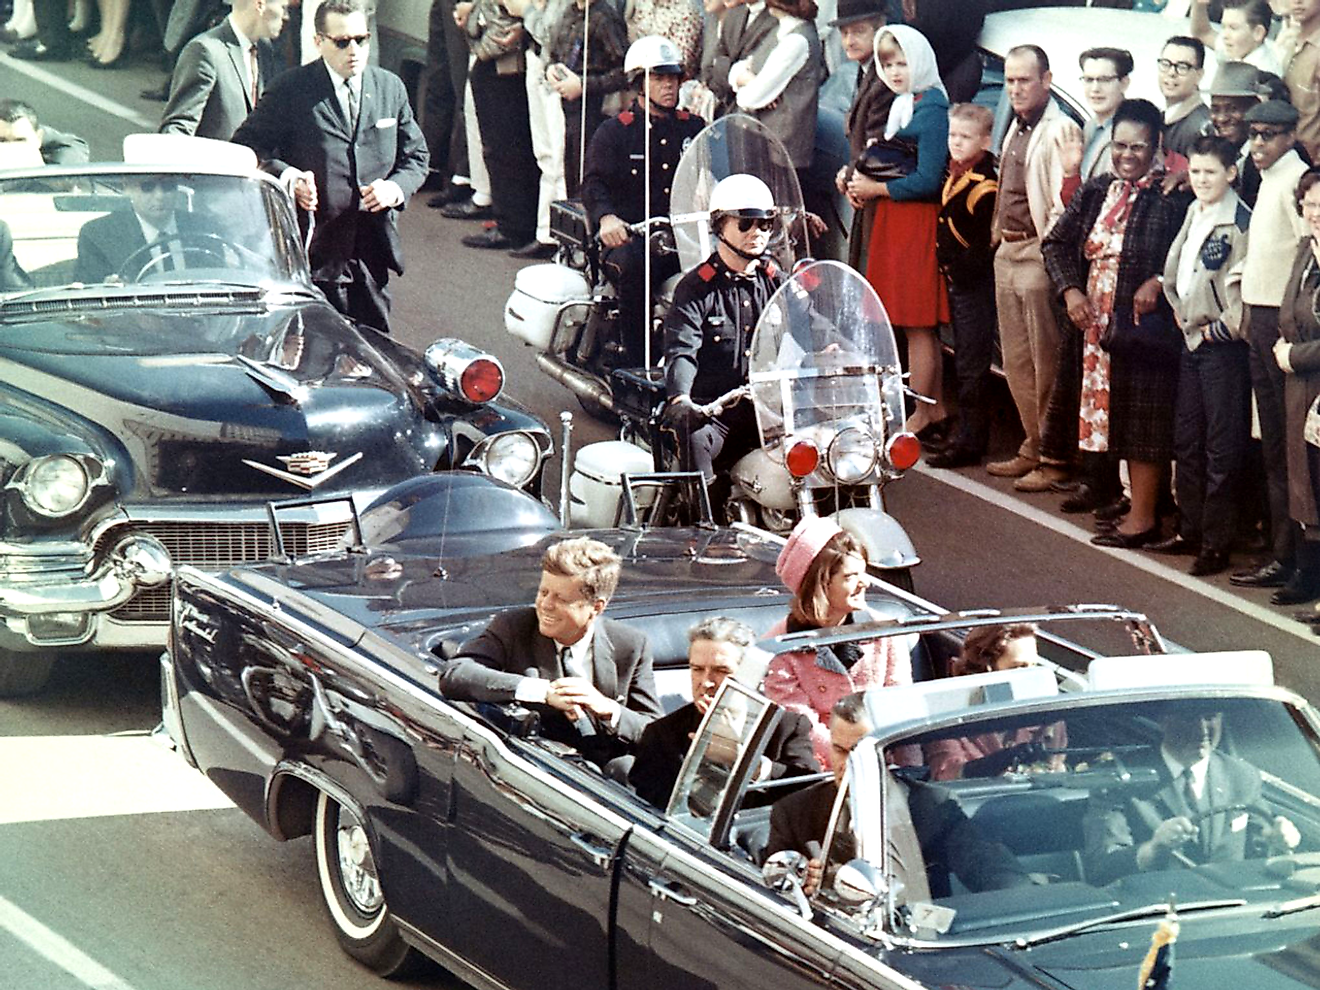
(143, 230)
(1006, 827)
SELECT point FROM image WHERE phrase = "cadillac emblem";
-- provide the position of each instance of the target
(306, 470)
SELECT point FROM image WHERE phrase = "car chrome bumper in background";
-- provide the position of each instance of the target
(169, 708)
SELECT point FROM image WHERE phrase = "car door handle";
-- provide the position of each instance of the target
(667, 890)
(598, 854)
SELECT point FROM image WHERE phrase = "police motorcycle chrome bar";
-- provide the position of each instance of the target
(566, 460)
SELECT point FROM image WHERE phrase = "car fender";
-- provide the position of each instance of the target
(887, 544)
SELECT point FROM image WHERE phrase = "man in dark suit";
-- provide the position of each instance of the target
(19, 125)
(342, 135)
(732, 35)
(716, 647)
(948, 842)
(12, 276)
(222, 72)
(106, 243)
(590, 676)
(1178, 823)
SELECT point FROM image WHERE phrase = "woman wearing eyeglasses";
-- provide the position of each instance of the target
(1105, 256)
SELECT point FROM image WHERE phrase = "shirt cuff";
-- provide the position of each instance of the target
(613, 723)
(532, 690)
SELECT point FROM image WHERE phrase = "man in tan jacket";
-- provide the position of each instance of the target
(1041, 148)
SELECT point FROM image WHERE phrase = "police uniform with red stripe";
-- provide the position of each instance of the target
(708, 342)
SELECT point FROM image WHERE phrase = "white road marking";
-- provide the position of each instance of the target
(57, 949)
(1137, 559)
(45, 778)
(37, 73)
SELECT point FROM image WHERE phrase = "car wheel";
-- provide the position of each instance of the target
(350, 888)
(24, 673)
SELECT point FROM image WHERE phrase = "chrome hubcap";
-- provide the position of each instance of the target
(358, 868)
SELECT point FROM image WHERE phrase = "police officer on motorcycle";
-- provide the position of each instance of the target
(708, 331)
(614, 181)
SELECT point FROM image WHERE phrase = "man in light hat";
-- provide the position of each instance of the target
(1271, 247)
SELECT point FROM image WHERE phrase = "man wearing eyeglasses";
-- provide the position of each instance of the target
(708, 330)
(341, 136)
(1186, 116)
(1106, 73)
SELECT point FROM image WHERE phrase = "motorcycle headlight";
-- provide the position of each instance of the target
(851, 456)
(510, 457)
(55, 485)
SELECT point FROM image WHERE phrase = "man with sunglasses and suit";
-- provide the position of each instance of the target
(115, 244)
(341, 135)
(708, 330)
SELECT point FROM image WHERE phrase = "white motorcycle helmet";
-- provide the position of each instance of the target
(740, 195)
(654, 54)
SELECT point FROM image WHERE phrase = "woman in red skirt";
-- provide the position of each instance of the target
(902, 174)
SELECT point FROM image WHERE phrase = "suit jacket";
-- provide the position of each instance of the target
(12, 276)
(1115, 826)
(490, 667)
(665, 742)
(736, 39)
(209, 95)
(58, 148)
(869, 112)
(104, 244)
(298, 124)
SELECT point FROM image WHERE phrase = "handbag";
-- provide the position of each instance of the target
(1311, 425)
(1156, 333)
(887, 160)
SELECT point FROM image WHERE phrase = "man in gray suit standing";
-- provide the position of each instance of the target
(221, 72)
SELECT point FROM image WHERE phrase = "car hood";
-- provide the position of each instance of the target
(260, 402)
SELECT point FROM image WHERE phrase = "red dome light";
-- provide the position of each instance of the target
(481, 380)
(904, 450)
(801, 459)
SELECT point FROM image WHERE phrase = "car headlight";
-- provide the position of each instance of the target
(55, 485)
(851, 456)
(511, 457)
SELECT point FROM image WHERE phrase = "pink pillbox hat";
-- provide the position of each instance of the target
(807, 539)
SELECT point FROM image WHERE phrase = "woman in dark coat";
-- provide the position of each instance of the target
(1298, 355)
(1105, 256)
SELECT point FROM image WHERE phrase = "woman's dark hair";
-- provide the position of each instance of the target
(1309, 178)
(986, 644)
(1271, 87)
(805, 9)
(1141, 112)
(1212, 144)
(811, 603)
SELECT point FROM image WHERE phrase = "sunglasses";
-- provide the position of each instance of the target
(747, 223)
(1266, 133)
(161, 185)
(342, 43)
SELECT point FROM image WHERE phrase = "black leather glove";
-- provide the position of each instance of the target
(682, 413)
(996, 763)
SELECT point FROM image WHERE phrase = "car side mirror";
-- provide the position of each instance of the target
(786, 871)
(858, 883)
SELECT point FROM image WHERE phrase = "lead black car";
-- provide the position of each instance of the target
(147, 419)
(307, 692)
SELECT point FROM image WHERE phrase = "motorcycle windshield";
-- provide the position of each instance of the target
(824, 369)
(732, 145)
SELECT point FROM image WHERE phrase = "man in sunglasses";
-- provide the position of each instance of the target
(708, 330)
(341, 136)
(106, 243)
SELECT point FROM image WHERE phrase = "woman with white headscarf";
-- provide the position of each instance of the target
(902, 174)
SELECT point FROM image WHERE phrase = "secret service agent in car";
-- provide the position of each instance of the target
(708, 330)
(614, 180)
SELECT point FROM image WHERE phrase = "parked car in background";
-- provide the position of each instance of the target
(154, 398)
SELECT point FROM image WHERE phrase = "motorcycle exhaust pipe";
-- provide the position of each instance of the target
(576, 381)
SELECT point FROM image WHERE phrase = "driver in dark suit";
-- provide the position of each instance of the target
(716, 648)
(12, 276)
(591, 676)
(1206, 804)
(106, 243)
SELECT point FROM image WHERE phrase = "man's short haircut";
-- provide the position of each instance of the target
(1121, 57)
(1042, 60)
(13, 110)
(588, 560)
(1256, 12)
(982, 117)
(1309, 178)
(341, 7)
(1141, 112)
(852, 709)
(722, 629)
(1186, 41)
(1212, 144)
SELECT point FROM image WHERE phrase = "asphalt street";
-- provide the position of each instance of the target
(120, 868)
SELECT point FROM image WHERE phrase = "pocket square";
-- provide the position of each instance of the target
(1239, 823)
(387, 121)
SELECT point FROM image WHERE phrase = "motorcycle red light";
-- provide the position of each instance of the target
(801, 459)
(481, 380)
(904, 450)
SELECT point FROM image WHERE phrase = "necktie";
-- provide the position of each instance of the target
(352, 106)
(1189, 791)
(253, 75)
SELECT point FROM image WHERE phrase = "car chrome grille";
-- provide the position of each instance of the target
(198, 297)
(214, 545)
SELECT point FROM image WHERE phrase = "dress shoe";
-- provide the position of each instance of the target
(1040, 479)
(468, 210)
(1106, 525)
(1085, 499)
(1177, 546)
(955, 455)
(1014, 467)
(33, 50)
(488, 240)
(450, 194)
(1271, 574)
(1311, 617)
(534, 251)
(1127, 541)
(1066, 485)
(934, 436)
(1208, 562)
(1113, 510)
(1300, 588)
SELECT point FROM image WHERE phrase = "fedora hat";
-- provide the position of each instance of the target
(1235, 79)
(858, 10)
